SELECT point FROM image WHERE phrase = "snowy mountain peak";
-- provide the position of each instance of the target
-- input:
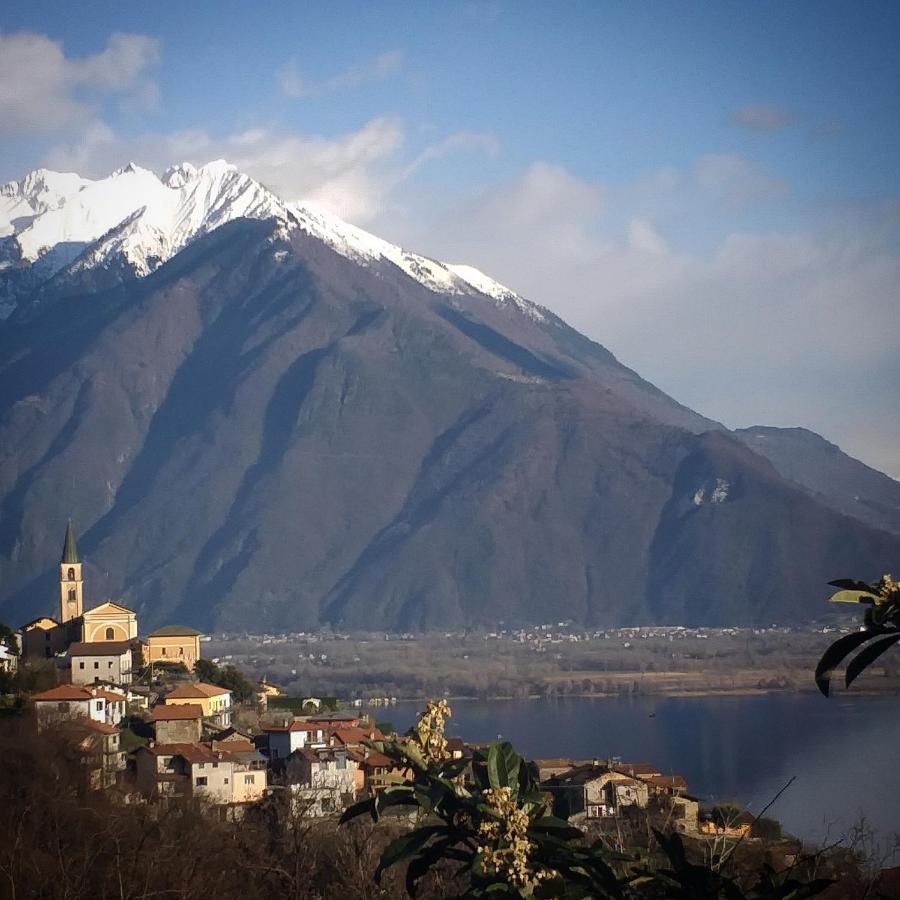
(137, 219)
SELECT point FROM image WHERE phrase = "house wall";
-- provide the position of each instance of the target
(100, 619)
(115, 669)
(178, 731)
(176, 648)
(218, 785)
(249, 785)
(219, 706)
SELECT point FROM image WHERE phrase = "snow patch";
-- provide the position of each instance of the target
(140, 219)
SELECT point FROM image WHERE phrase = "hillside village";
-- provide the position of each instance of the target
(149, 729)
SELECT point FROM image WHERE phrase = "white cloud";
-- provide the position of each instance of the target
(762, 117)
(43, 90)
(737, 181)
(784, 328)
(293, 84)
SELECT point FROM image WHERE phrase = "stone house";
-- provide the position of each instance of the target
(177, 724)
(595, 791)
(100, 748)
(93, 661)
(322, 781)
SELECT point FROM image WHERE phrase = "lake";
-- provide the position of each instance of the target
(843, 750)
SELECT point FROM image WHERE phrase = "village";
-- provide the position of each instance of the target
(147, 728)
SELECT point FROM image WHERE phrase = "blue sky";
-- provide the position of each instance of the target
(712, 190)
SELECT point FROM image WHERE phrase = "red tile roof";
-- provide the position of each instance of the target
(195, 691)
(63, 692)
(111, 696)
(176, 713)
(349, 736)
(378, 759)
(99, 648)
(637, 769)
(666, 781)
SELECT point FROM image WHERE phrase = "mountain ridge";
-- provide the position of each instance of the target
(265, 431)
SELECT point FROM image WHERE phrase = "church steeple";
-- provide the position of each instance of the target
(71, 600)
(70, 549)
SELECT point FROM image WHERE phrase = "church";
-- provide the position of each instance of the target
(45, 637)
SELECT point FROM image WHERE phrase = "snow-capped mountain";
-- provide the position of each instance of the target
(60, 223)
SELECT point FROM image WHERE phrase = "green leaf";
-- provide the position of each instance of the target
(866, 657)
(836, 653)
(854, 596)
(503, 765)
(358, 809)
(405, 846)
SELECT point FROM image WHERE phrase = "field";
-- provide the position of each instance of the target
(550, 661)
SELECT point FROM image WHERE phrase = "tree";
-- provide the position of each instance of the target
(230, 677)
(881, 627)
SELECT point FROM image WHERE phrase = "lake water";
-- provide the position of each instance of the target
(844, 752)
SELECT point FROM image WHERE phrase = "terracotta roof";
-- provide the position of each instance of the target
(176, 631)
(99, 648)
(666, 781)
(637, 769)
(581, 774)
(63, 692)
(83, 723)
(378, 759)
(100, 727)
(193, 691)
(234, 746)
(293, 726)
(111, 696)
(455, 744)
(358, 735)
(193, 753)
(180, 712)
(549, 763)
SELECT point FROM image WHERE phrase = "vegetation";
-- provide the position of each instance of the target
(880, 630)
(229, 677)
(503, 841)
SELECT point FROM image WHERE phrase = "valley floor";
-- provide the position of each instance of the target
(547, 662)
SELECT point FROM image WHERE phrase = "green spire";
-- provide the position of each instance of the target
(70, 550)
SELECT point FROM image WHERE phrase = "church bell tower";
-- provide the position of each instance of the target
(71, 603)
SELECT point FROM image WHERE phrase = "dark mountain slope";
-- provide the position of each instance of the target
(265, 434)
(839, 480)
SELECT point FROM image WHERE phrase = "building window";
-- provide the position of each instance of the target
(340, 763)
(226, 781)
(81, 665)
(181, 651)
(110, 634)
(72, 595)
(201, 766)
(163, 651)
(323, 765)
(62, 707)
(71, 574)
(99, 706)
(109, 665)
(201, 782)
(96, 665)
(249, 779)
(215, 765)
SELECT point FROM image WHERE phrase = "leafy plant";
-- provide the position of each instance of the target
(881, 628)
(497, 829)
